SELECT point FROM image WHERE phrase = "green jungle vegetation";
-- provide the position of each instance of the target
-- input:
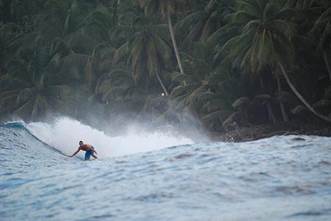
(227, 63)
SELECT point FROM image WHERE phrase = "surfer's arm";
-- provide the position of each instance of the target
(75, 152)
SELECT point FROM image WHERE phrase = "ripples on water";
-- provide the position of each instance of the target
(279, 178)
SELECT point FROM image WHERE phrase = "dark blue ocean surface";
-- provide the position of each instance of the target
(279, 178)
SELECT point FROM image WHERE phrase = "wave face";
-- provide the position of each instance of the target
(65, 133)
(138, 178)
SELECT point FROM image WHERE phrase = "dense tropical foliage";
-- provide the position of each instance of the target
(226, 63)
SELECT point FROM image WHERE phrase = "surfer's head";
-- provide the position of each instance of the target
(81, 143)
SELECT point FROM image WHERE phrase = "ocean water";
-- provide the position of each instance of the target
(160, 176)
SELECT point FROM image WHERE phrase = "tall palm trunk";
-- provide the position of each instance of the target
(281, 104)
(172, 35)
(308, 106)
(325, 57)
(161, 83)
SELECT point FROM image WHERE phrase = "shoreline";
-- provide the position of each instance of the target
(255, 132)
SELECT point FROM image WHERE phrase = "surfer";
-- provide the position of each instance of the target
(89, 149)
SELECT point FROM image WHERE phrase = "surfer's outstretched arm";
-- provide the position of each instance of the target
(75, 152)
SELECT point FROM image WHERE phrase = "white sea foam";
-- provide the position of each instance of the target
(65, 133)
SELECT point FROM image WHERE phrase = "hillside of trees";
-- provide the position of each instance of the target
(226, 63)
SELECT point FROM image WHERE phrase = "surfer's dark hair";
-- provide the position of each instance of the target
(81, 141)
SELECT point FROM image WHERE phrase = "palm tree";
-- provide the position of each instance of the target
(117, 90)
(41, 98)
(32, 99)
(202, 22)
(147, 52)
(37, 89)
(10, 87)
(301, 98)
(115, 85)
(199, 24)
(265, 41)
(192, 89)
(166, 8)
